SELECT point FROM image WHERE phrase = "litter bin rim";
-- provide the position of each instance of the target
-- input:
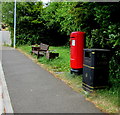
(91, 50)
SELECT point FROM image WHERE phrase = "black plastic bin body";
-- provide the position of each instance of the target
(95, 69)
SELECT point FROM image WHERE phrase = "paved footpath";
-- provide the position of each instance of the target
(34, 90)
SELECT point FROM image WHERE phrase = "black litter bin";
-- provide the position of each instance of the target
(95, 69)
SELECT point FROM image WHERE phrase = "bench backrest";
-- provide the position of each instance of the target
(44, 46)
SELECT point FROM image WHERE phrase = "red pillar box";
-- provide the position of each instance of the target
(76, 51)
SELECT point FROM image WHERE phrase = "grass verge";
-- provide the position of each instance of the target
(107, 100)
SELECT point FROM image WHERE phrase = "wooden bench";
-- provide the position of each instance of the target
(40, 50)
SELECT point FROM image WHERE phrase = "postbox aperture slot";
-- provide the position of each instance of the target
(87, 54)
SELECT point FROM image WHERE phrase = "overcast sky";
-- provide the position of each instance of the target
(45, 1)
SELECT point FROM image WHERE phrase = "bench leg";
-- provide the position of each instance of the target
(31, 52)
(38, 55)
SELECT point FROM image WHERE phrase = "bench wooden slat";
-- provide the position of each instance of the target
(44, 46)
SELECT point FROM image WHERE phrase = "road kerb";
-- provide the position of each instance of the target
(5, 101)
(1, 99)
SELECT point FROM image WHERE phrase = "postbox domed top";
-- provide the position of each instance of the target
(78, 32)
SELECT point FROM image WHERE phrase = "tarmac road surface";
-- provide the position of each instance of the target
(34, 90)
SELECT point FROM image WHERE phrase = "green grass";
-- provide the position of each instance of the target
(25, 48)
(61, 63)
(106, 99)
